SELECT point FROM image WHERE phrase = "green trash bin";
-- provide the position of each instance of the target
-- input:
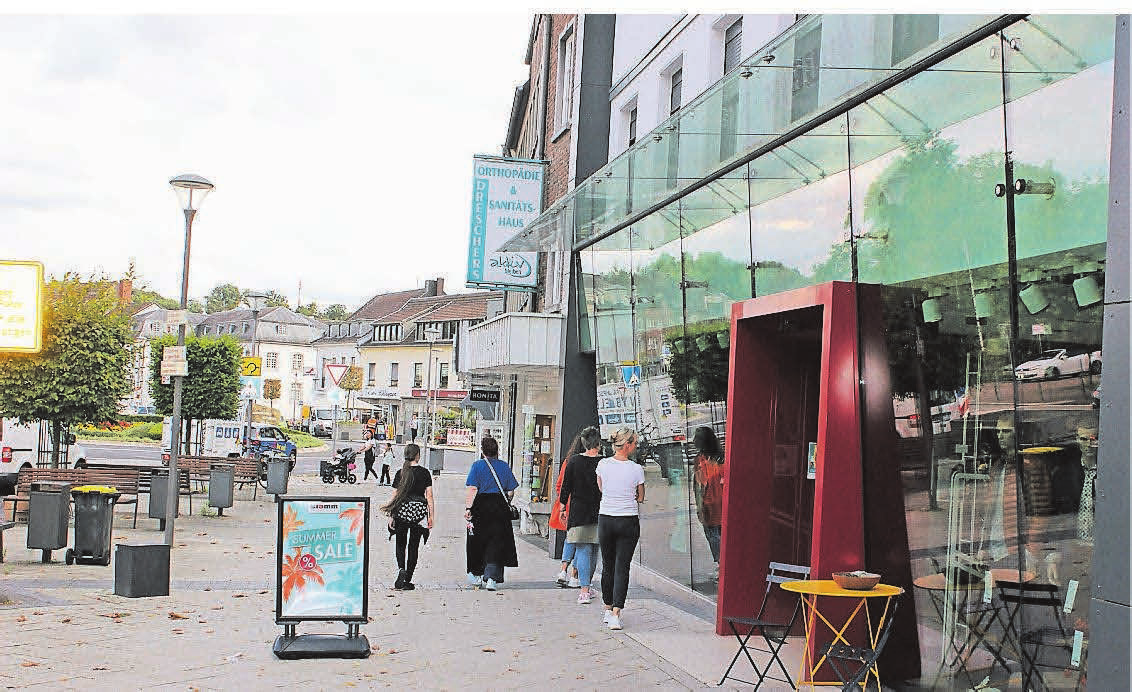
(94, 519)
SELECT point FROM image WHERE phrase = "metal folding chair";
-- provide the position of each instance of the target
(1051, 633)
(864, 656)
(773, 633)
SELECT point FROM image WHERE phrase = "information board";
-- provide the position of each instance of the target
(21, 306)
(506, 196)
(322, 565)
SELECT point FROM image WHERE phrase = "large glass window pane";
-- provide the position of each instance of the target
(717, 254)
(648, 381)
(1061, 151)
(800, 212)
(929, 228)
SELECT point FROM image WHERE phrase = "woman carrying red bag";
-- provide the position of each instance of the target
(559, 515)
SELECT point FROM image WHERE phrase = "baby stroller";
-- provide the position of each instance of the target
(342, 467)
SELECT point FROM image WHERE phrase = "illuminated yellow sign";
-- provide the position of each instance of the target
(21, 306)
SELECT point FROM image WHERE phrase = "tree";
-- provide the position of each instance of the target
(79, 376)
(223, 297)
(351, 381)
(275, 299)
(310, 310)
(212, 387)
(196, 306)
(336, 311)
(272, 390)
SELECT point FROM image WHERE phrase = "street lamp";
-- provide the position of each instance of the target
(431, 334)
(255, 300)
(191, 191)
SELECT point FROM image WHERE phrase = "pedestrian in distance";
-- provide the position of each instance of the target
(411, 504)
(709, 489)
(368, 456)
(559, 514)
(413, 425)
(581, 492)
(491, 541)
(387, 459)
(622, 484)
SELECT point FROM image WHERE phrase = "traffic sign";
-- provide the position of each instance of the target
(251, 366)
(175, 318)
(336, 371)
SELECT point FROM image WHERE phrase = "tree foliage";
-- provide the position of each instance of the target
(274, 299)
(351, 381)
(79, 376)
(337, 311)
(212, 387)
(272, 390)
(226, 296)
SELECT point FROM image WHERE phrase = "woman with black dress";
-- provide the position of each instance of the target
(579, 489)
(411, 503)
(491, 541)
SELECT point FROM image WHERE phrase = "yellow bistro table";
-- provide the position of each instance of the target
(809, 591)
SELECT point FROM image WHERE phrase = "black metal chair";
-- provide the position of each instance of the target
(864, 656)
(1050, 633)
(773, 633)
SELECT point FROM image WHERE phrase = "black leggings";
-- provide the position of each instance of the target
(384, 474)
(408, 536)
(369, 470)
(618, 538)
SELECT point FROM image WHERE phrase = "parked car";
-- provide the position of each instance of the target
(269, 439)
(1057, 362)
(20, 446)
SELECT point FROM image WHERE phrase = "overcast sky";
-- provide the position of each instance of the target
(341, 146)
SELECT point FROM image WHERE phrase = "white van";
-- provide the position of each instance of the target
(20, 445)
(212, 437)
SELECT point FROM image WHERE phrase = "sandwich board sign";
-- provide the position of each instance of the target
(322, 573)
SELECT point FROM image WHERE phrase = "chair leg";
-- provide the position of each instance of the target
(774, 654)
(742, 650)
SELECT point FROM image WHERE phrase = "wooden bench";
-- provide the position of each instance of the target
(246, 470)
(126, 480)
(4, 526)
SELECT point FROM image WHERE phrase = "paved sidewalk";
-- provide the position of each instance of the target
(62, 627)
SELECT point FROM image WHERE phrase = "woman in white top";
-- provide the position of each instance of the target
(622, 484)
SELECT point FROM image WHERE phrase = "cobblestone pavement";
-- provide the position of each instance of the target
(62, 627)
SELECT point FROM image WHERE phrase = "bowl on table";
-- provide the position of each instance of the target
(858, 580)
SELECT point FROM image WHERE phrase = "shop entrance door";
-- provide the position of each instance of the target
(541, 483)
(793, 386)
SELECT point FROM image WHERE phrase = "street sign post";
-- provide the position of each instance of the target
(336, 371)
(174, 362)
(251, 367)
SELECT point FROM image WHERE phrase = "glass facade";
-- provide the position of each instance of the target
(991, 299)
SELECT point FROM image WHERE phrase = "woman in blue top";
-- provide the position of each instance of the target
(491, 542)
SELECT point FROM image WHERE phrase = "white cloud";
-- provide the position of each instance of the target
(340, 145)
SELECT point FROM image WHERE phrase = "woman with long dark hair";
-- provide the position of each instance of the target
(559, 519)
(411, 503)
(709, 488)
(580, 491)
(491, 542)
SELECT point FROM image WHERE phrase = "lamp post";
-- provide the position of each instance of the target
(431, 334)
(255, 300)
(191, 191)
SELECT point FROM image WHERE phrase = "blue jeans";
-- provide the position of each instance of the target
(713, 534)
(585, 559)
(567, 552)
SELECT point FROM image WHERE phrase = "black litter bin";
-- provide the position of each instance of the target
(94, 518)
(49, 508)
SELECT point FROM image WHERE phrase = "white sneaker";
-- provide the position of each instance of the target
(560, 577)
(491, 585)
(574, 583)
(473, 580)
(614, 621)
(605, 615)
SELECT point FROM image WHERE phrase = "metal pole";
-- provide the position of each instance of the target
(428, 406)
(251, 400)
(172, 495)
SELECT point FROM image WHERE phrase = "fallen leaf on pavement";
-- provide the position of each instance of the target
(218, 607)
(22, 618)
(572, 635)
(262, 592)
(177, 616)
(393, 651)
(239, 595)
(488, 649)
(114, 615)
(178, 631)
(118, 620)
(208, 588)
(29, 664)
(65, 620)
(37, 612)
(101, 668)
(209, 631)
